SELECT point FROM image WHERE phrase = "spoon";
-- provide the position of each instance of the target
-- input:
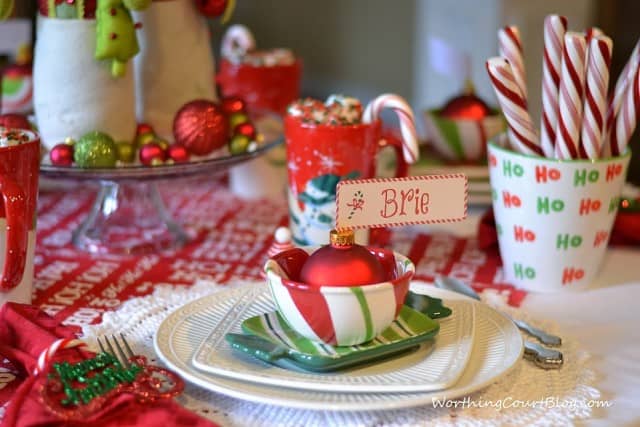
(544, 357)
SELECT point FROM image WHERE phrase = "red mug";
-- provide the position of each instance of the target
(318, 157)
(19, 166)
(265, 89)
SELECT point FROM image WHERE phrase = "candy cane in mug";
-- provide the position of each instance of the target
(523, 134)
(626, 120)
(595, 98)
(46, 356)
(554, 29)
(237, 41)
(510, 47)
(571, 93)
(407, 121)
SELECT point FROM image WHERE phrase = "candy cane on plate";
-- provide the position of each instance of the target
(237, 41)
(595, 96)
(407, 121)
(523, 135)
(624, 80)
(571, 93)
(47, 354)
(554, 29)
(510, 48)
(626, 119)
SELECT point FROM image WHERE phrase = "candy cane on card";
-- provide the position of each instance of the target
(626, 119)
(554, 29)
(405, 116)
(623, 81)
(523, 136)
(238, 40)
(570, 99)
(595, 96)
(510, 48)
(47, 354)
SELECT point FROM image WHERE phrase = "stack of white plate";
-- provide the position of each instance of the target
(475, 347)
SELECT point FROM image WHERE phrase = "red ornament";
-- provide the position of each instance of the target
(14, 121)
(246, 129)
(466, 107)
(178, 153)
(342, 263)
(144, 128)
(201, 126)
(233, 105)
(211, 8)
(61, 155)
(150, 152)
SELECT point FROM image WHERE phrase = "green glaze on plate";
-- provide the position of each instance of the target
(425, 304)
(269, 338)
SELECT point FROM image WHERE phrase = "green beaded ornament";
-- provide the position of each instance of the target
(95, 150)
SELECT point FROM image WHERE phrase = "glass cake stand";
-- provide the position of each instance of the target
(128, 216)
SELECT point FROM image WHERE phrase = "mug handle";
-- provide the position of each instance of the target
(389, 139)
(15, 256)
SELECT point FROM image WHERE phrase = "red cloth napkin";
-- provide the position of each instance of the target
(626, 231)
(25, 332)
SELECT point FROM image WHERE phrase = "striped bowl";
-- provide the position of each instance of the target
(461, 140)
(341, 315)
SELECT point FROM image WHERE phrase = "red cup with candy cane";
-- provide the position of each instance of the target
(19, 165)
(328, 142)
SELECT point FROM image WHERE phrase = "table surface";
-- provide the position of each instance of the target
(232, 236)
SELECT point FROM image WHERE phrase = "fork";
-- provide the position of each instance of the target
(153, 382)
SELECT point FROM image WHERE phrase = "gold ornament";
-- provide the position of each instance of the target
(126, 151)
(239, 144)
(237, 118)
(145, 138)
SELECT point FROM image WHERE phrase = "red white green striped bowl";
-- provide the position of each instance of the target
(461, 140)
(340, 315)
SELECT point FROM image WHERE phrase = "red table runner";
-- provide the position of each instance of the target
(231, 240)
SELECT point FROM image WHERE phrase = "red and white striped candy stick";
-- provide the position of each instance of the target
(624, 80)
(554, 29)
(236, 42)
(571, 93)
(591, 33)
(626, 119)
(407, 122)
(47, 354)
(510, 48)
(595, 96)
(523, 135)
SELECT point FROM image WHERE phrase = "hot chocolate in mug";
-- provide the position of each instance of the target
(19, 166)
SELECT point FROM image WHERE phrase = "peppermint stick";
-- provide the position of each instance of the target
(626, 119)
(554, 29)
(571, 93)
(406, 118)
(595, 98)
(46, 356)
(523, 136)
(510, 48)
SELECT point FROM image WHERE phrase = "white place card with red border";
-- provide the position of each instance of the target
(391, 202)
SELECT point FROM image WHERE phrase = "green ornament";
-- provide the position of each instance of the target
(237, 118)
(239, 144)
(115, 35)
(126, 151)
(137, 4)
(95, 150)
(6, 9)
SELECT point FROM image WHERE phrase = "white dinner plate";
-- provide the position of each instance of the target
(497, 348)
(432, 367)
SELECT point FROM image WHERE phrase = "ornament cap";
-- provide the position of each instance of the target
(342, 237)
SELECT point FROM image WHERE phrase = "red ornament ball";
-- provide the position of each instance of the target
(14, 121)
(178, 153)
(211, 8)
(150, 153)
(466, 107)
(61, 155)
(233, 105)
(342, 264)
(201, 126)
(144, 128)
(246, 129)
